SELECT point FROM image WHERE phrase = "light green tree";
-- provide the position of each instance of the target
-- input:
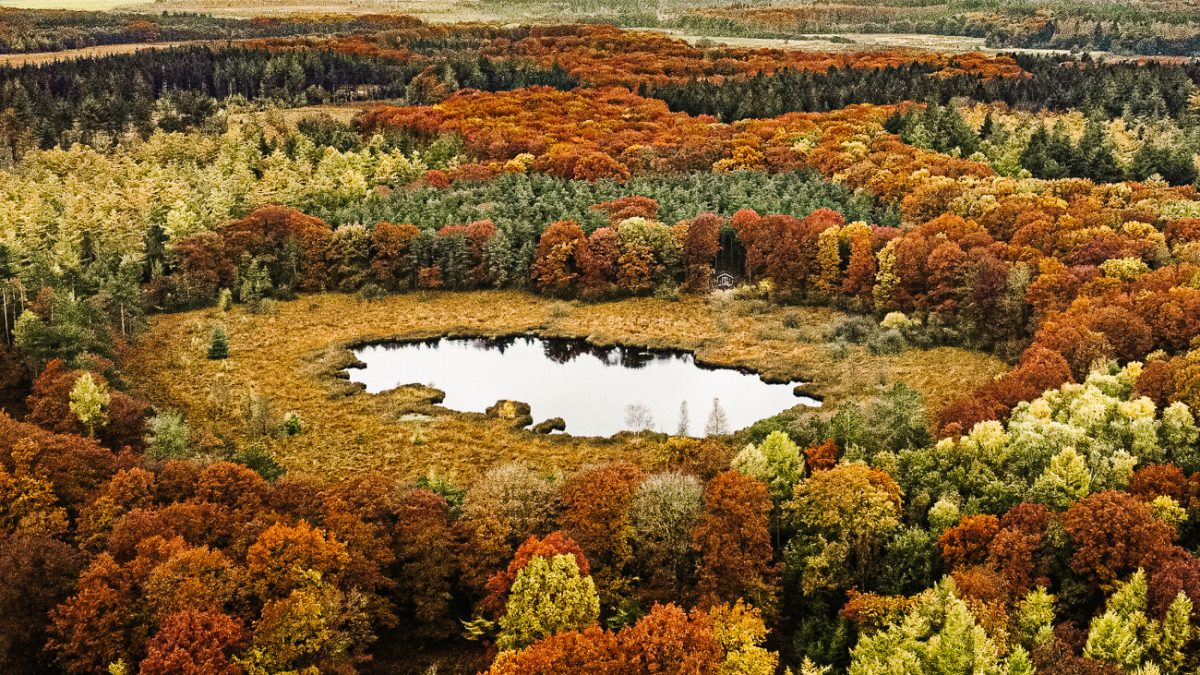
(89, 402)
(944, 514)
(1035, 618)
(1178, 435)
(1066, 480)
(548, 596)
(938, 635)
(1166, 509)
(664, 511)
(1018, 662)
(315, 626)
(775, 461)
(740, 630)
(1128, 638)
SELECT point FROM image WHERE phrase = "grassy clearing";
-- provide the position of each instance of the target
(430, 10)
(865, 42)
(38, 58)
(287, 357)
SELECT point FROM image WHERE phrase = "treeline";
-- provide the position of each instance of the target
(29, 30)
(173, 89)
(1054, 83)
(275, 252)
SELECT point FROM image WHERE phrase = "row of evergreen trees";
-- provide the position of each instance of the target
(1054, 83)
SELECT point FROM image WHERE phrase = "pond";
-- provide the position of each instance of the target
(598, 391)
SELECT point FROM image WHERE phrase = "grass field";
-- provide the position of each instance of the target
(98, 5)
(863, 42)
(286, 356)
(35, 58)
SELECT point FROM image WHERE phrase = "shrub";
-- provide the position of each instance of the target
(292, 425)
(855, 330)
(887, 342)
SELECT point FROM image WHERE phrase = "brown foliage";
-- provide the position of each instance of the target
(50, 406)
(597, 505)
(1017, 552)
(391, 255)
(871, 611)
(821, 457)
(1151, 481)
(425, 560)
(700, 249)
(667, 640)
(75, 466)
(599, 263)
(284, 555)
(194, 643)
(967, 543)
(1180, 574)
(633, 206)
(203, 266)
(36, 574)
(733, 542)
(556, 266)
(269, 232)
(1157, 381)
(1115, 533)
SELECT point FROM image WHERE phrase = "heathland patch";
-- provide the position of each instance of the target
(286, 360)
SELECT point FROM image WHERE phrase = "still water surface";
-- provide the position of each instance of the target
(599, 391)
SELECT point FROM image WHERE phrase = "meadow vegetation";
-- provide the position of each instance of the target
(287, 359)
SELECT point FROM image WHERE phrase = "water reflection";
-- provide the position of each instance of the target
(599, 391)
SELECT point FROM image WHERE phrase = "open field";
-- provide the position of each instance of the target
(35, 58)
(98, 5)
(286, 357)
(864, 42)
(430, 10)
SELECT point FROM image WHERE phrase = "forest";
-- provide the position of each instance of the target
(985, 267)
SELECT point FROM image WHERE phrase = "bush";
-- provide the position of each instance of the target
(292, 425)
(887, 342)
(370, 292)
(839, 350)
(168, 436)
(667, 290)
(855, 330)
(257, 459)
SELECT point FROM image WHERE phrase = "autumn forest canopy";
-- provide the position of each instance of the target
(986, 265)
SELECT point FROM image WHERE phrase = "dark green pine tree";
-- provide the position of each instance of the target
(1096, 158)
(1035, 157)
(218, 349)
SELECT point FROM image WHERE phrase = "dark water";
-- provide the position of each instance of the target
(599, 391)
